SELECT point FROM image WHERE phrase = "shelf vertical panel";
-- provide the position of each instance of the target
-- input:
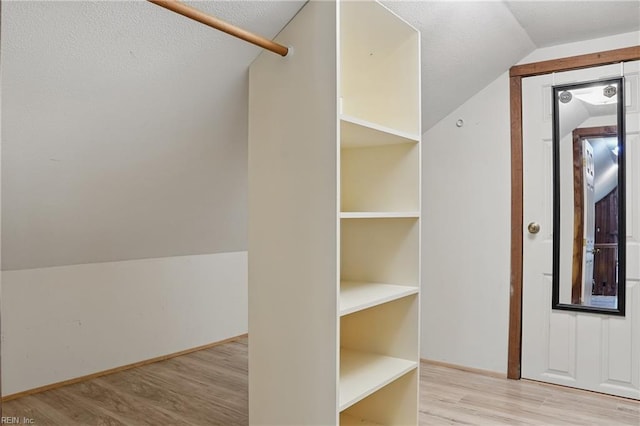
(293, 318)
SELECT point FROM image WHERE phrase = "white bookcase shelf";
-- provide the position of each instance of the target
(391, 405)
(361, 374)
(360, 133)
(356, 296)
(379, 215)
(335, 197)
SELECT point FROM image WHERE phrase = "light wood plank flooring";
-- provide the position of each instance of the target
(209, 387)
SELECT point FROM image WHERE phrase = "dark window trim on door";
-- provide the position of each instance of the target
(516, 74)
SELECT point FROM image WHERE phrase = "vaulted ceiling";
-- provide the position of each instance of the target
(120, 119)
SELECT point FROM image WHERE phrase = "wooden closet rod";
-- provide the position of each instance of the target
(195, 14)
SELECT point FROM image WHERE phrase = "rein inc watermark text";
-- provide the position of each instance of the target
(16, 421)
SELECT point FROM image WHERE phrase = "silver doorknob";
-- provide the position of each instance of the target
(533, 228)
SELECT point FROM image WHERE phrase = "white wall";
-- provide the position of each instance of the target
(64, 322)
(466, 184)
(466, 239)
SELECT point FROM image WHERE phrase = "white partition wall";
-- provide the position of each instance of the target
(334, 222)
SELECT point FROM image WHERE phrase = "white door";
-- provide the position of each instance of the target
(583, 350)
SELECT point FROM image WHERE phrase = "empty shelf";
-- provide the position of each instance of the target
(355, 132)
(379, 215)
(355, 296)
(361, 374)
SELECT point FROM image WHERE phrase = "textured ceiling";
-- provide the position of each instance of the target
(550, 23)
(124, 124)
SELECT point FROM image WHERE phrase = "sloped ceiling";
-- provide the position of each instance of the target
(550, 23)
(124, 125)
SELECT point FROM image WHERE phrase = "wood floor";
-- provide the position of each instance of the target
(209, 387)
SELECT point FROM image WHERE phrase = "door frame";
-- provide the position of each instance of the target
(516, 74)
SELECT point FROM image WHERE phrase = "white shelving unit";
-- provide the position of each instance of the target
(334, 220)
